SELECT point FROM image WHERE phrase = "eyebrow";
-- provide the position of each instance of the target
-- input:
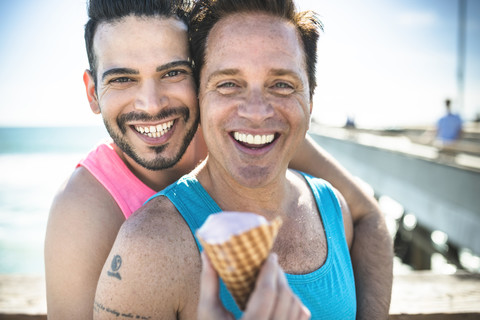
(173, 64)
(284, 72)
(119, 71)
(273, 72)
(223, 72)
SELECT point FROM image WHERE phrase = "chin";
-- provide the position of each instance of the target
(254, 176)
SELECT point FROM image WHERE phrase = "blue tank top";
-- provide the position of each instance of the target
(328, 292)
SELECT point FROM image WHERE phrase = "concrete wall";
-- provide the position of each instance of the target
(442, 197)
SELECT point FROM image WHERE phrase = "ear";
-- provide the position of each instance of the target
(311, 106)
(91, 91)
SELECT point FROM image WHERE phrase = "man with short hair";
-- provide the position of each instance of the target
(449, 127)
(256, 81)
(140, 80)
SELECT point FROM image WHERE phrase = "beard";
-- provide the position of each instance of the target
(159, 162)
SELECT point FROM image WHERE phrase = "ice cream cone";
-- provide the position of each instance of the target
(238, 259)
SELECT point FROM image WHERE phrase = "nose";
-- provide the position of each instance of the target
(256, 107)
(151, 97)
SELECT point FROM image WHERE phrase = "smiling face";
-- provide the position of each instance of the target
(254, 97)
(145, 89)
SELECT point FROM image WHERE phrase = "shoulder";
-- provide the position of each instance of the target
(82, 216)
(83, 193)
(158, 254)
(159, 228)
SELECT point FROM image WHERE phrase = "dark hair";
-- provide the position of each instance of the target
(100, 11)
(206, 13)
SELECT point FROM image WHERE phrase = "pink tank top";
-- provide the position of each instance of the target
(108, 168)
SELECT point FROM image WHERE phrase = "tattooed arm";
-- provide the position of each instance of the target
(153, 269)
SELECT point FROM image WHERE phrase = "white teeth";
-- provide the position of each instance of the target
(253, 139)
(155, 131)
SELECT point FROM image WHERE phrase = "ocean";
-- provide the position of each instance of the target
(34, 162)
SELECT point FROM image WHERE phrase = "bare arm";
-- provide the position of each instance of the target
(347, 219)
(81, 229)
(153, 269)
(372, 249)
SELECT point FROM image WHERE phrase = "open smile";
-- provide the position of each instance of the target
(155, 131)
(256, 141)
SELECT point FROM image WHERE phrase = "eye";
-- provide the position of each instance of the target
(120, 80)
(227, 87)
(173, 73)
(282, 87)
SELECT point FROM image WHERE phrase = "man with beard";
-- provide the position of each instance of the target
(141, 81)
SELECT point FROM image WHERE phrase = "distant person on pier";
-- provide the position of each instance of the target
(350, 123)
(449, 127)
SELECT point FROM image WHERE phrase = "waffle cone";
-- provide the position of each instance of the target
(238, 260)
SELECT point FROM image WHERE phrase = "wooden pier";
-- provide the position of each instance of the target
(417, 295)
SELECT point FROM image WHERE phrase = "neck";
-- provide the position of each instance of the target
(270, 200)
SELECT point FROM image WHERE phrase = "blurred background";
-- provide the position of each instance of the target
(386, 65)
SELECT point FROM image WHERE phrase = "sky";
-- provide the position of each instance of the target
(386, 63)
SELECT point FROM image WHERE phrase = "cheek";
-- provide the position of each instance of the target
(186, 93)
(212, 115)
(111, 105)
(116, 98)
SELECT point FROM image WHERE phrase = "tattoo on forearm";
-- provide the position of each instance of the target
(98, 307)
(115, 266)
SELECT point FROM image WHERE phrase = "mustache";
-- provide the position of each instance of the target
(141, 116)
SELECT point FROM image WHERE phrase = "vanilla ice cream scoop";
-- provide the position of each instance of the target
(220, 227)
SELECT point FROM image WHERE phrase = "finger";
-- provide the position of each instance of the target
(263, 298)
(297, 310)
(209, 286)
(305, 314)
(209, 303)
(286, 306)
(289, 306)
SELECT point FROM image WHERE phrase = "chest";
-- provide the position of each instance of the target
(301, 244)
